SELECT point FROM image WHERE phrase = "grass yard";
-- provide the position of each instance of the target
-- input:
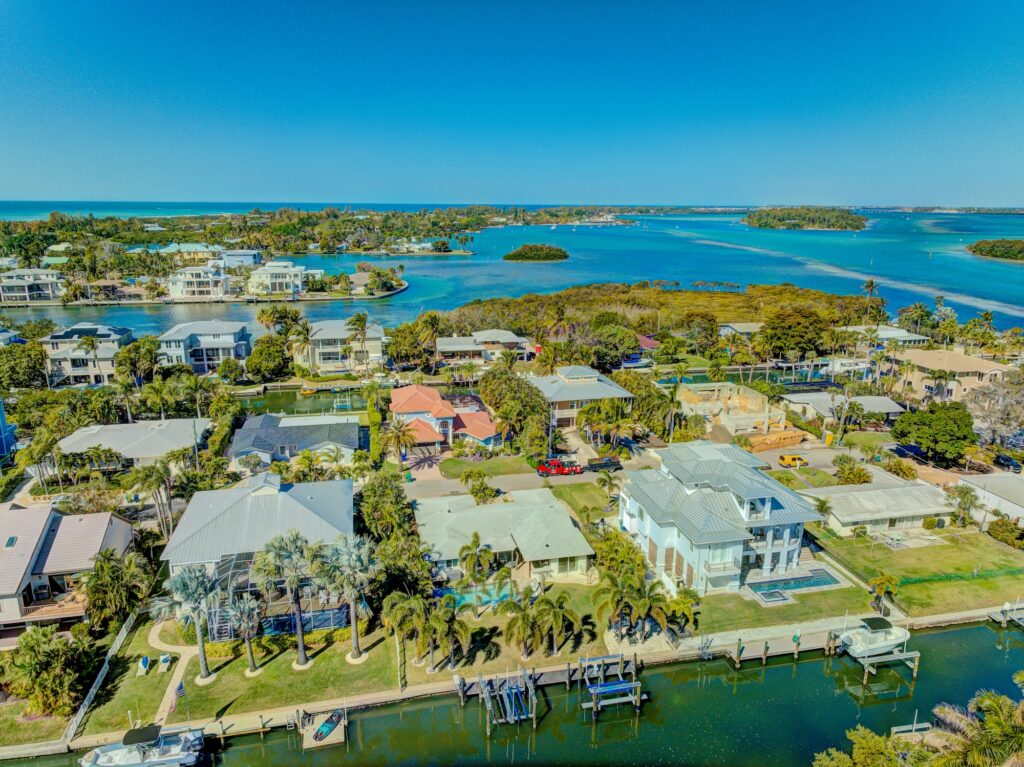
(787, 478)
(123, 691)
(729, 612)
(15, 729)
(944, 572)
(581, 495)
(452, 468)
(872, 438)
(815, 477)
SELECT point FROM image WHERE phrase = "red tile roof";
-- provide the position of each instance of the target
(424, 431)
(420, 399)
(476, 424)
(646, 342)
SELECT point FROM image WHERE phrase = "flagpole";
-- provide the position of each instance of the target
(188, 713)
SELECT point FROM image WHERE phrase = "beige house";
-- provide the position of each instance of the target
(335, 347)
(69, 361)
(572, 388)
(942, 375)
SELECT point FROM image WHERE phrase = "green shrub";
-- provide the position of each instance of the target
(10, 482)
(930, 523)
(263, 646)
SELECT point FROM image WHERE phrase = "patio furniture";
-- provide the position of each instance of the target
(165, 663)
(144, 664)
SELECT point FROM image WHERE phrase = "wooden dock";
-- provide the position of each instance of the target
(313, 722)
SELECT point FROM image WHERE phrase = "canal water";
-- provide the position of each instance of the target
(698, 714)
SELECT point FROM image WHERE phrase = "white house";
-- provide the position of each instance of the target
(336, 349)
(281, 438)
(239, 257)
(887, 334)
(140, 443)
(69, 362)
(999, 491)
(205, 344)
(709, 515)
(199, 283)
(276, 277)
(23, 286)
(572, 388)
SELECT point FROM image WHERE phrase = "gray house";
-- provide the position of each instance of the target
(204, 345)
(281, 438)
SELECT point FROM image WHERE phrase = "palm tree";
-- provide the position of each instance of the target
(507, 359)
(114, 585)
(408, 616)
(349, 567)
(610, 483)
(300, 343)
(157, 395)
(190, 595)
(611, 598)
(547, 361)
(397, 438)
(523, 627)
(126, 390)
(647, 602)
(883, 585)
(553, 614)
(156, 479)
(246, 616)
(476, 559)
(359, 324)
(267, 317)
(990, 732)
(372, 393)
(448, 628)
(193, 387)
(290, 561)
(870, 290)
(964, 501)
(91, 345)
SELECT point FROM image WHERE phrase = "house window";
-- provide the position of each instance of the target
(11, 542)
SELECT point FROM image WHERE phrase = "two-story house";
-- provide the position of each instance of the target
(24, 286)
(335, 347)
(709, 515)
(437, 423)
(204, 345)
(191, 252)
(481, 346)
(572, 388)
(942, 375)
(277, 277)
(71, 359)
(199, 283)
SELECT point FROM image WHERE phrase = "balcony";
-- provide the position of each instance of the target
(722, 568)
(70, 605)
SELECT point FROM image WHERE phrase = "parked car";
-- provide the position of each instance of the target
(792, 460)
(604, 464)
(555, 468)
(1007, 463)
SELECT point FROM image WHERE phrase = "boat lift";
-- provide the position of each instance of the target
(606, 685)
(508, 700)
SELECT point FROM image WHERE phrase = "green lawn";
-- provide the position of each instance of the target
(815, 477)
(787, 478)
(124, 691)
(15, 729)
(452, 468)
(945, 571)
(729, 612)
(581, 495)
(874, 438)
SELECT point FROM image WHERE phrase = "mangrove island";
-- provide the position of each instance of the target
(805, 217)
(1007, 250)
(537, 253)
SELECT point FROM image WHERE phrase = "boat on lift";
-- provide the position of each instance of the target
(875, 636)
(148, 747)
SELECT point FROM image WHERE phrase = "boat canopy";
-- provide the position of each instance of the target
(877, 624)
(141, 736)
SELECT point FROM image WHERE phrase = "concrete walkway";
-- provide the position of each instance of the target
(180, 664)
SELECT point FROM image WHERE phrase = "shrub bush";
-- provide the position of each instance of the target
(930, 523)
(263, 646)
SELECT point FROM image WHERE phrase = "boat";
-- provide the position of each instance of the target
(328, 725)
(875, 636)
(307, 392)
(145, 746)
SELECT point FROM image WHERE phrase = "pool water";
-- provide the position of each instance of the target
(816, 579)
(488, 595)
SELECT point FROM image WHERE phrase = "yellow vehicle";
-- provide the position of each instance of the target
(792, 460)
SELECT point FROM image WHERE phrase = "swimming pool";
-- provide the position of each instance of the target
(488, 594)
(816, 579)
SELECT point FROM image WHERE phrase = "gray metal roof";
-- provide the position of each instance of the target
(458, 344)
(856, 504)
(533, 521)
(825, 403)
(340, 329)
(558, 388)
(704, 516)
(1009, 487)
(497, 337)
(73, 540)
(142, 439)
(244, 518)
(266, 432)
(203, 328)
(22, 529)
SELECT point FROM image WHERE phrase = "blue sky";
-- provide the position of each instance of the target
(677, 102)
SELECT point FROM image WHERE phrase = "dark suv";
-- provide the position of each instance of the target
(1007, 463)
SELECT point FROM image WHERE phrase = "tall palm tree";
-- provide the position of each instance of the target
(611, 598)
(870, 289)
(126, 390)
(267, 317)
(547, 361)
(610, 483)
(647, 602)
(289, 561)
(158, 395)
(523, 628)
(156, 479)
(358, 324)
(91, 345)
(195, 388)
(554, 614)
(300, 343)
(246, 616)
(190, 595)
(448, 628)
(408, 615)
(349, 567)
(476, 559)
(397, 438)
(507, 359)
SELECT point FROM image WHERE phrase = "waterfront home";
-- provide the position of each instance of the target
(68, 361)
(335, 348)
(281, 277)
(23, 286)
(942, 375)
(281, 438)
(239, 257)
(43, 554)
(887, 504)
(887, 334)
(430, 416)
(481, 346)
(709, 515)
(359, 283)
(999, 491)
(457, 350)
(528, 530)
(191, 252)
(199, 283)
(141, 443)
(742, 329)
(205, 344)
(222, 530)
(572, 388)
(830, 406)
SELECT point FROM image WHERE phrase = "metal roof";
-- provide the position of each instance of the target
(142, 439)
(559, 387)
(72, 541)
(340, 329)
(203, 328)
(266, 432)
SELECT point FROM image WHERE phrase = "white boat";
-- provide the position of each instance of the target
(874, 637)
(147, 746)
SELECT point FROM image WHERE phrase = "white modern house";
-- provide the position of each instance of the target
(335, 347)
(68, 361)
(141, 443)
(205, 344)
(709, 515)
(43, 553)
(277, 277)
(199, 283)
(239, 257)
(887, 334)
(528, 530)
(572, 388)
(24, 286)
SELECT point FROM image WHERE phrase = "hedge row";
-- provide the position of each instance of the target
(10, 482)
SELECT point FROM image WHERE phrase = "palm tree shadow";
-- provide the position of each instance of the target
(224, 709)
(482, 641)
(119, 666)
(586, 634)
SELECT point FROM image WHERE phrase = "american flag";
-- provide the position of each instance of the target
(178, 693)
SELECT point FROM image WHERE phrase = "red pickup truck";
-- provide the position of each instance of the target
(554, 467)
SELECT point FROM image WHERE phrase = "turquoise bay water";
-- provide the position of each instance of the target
(914, 257)
(699, 715)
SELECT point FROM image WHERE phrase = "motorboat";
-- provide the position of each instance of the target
(875, 636)
(146, 746)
